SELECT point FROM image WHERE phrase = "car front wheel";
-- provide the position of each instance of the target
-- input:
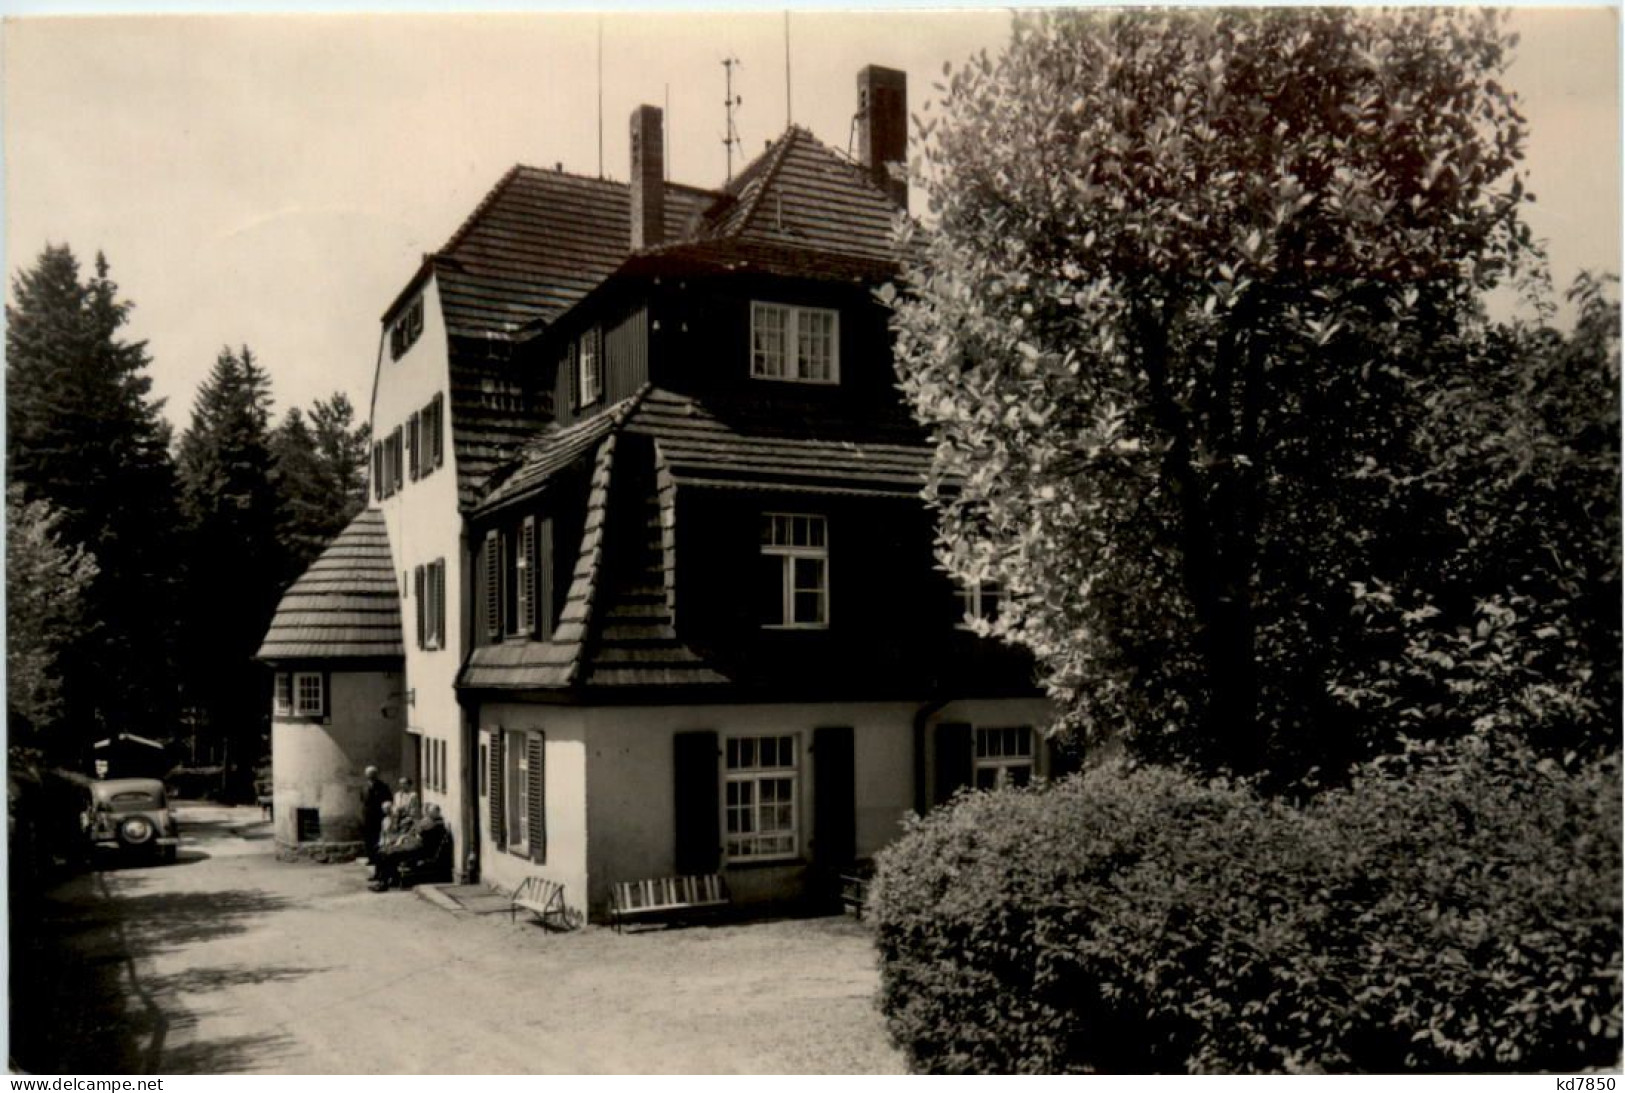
(136, 831)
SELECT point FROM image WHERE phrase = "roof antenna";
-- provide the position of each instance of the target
(600, 96)
(730, 103)
(788, 116)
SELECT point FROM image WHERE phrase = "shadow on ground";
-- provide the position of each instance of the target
(80, 1002)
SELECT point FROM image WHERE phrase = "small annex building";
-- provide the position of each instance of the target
(334, 647)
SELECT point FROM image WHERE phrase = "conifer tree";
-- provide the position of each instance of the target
(85, 436)
(234, 561)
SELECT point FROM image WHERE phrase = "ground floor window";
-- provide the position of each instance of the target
(1004, 757)
(760, 801)
(516, 776)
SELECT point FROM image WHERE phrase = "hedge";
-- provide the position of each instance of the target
(1449, 910)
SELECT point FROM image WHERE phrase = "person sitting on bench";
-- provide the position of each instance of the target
(412, 846)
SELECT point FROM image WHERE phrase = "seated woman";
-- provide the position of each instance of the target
(410, 846)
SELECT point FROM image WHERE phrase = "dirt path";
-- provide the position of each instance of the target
(230, 962)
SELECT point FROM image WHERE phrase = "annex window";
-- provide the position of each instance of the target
(759, 804)
(1004, 757)
(282, 694)
(979, 600)
(405, 329)
(309, 695)
(589, 357)
(520, 807)
(794, 343)
(795, 571)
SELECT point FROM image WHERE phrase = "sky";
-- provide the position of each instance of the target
(273, 180)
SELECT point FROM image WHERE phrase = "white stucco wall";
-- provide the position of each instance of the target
(565, 802)
(424, 526)
(319, 763)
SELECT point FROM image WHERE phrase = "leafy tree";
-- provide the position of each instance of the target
(321, 473)
(85, 436)
(47, 584)
(1194, 274)
(234, 565)
(1519, 625)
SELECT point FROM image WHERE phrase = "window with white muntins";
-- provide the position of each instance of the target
(795, 571)
(801, 344)
(979, 600)
(308, 694)
(516, 774)
(760, 812)
(1004, 757)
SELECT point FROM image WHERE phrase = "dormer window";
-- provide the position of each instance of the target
(589, 368)
(800, 344)
(405, 330)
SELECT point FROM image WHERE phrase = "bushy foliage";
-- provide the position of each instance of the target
(1449, 910)
(46, 585)
(1192, 275)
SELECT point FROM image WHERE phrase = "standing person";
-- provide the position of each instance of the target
(374, 798)
(406, 801)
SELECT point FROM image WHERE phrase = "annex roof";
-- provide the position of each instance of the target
(345, 605)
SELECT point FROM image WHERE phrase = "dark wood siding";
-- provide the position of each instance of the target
(626, 354)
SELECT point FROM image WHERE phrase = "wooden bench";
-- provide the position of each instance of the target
(665, 898)
(541, 897)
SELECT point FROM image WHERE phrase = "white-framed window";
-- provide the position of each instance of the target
(516, 791)
(801, 344)
(760, 807)
(979, 600)
(795, 571)
(590, 368)
(309, 695)
(282, 694)
(1004, 757)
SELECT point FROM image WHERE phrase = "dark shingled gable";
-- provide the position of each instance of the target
(345, 605)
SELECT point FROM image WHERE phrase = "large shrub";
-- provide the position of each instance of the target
(1448, 910)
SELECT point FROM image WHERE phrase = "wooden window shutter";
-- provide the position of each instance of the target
(698, 824)
(437, 593)
(493, 587)
(527, 576)
(378, 470)
(544, 578)
(955, 749)
(422, 603)
(574, 377)
(412, 438)
(835, 832)
(535, 760)
(437, 415)
(599, 368)
(499, 833)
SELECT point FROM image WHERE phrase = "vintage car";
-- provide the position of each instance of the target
(131, 816)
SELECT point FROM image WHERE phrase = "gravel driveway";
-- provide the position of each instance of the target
(231, 962)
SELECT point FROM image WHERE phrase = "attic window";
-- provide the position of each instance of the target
(801, 344)
(406, 329)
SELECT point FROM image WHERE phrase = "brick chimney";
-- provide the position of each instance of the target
(648, 178)
(883, 127)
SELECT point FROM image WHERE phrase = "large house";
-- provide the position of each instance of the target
(647, 586)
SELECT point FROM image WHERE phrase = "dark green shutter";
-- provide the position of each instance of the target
(953, 759)
(835, 831)
(696, 824)
(418, 591)
(499, 830)
(535, 762)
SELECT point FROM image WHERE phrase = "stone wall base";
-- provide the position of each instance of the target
(324, 852)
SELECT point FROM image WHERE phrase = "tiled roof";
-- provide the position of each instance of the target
(537, 243)
(801, 193)
(553, 448)
(345, 605)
